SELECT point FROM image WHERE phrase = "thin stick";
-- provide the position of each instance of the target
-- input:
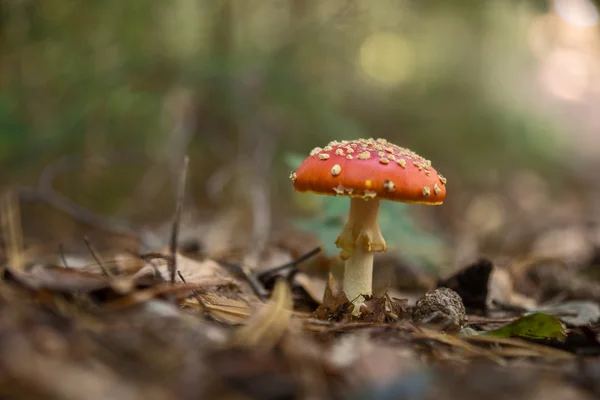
(198, 297)
(61, 250)
(177, 219)
(254, 283)
(96, 257)
(150, 256)
(46, 192)
(264, 274)
(12, 230)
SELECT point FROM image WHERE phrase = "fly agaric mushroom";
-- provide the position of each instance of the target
(367, 171)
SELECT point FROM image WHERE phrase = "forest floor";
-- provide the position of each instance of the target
(177, 324)
(121, 329)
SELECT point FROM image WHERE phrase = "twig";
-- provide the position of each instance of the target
(254, 283)
(263, 275)
(150, 256)
(177, 219)
(68, 163)
(61, 250)
(196, 294)
(96, 257)
(10, 216)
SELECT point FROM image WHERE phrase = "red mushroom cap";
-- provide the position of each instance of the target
(370, 168)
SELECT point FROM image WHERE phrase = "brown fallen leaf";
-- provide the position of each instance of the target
(398, 308)
(547, 278)
(60, 279)
(502, 291)
(336, 305)
(193, 271)
(68, 280)
(117, 263)
(144, 295)
(223, 309)
(374, 310)
(314, 287)
(266, 327)
(471, 283)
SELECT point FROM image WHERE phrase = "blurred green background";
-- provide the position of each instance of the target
(491, 91)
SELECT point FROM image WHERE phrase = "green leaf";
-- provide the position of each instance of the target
(534, 326)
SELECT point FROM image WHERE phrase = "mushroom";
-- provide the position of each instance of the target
(367, 171)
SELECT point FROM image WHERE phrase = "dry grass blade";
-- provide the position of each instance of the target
(505, 347)
(462, 349)
(534, 348)
(176, 221)
(226, 310)
(268, 325)
(451, 340)
(222, 309)
(196, 294)
(11, 230)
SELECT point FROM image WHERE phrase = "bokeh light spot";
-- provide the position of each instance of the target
(538, 37)
(566, 73)
(580, 13)
(386, 58)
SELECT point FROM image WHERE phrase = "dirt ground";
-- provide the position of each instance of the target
(128, 325)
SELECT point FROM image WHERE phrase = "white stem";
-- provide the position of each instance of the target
(358, 276)
(359, 238)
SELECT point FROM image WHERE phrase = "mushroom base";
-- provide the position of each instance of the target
(358, 277)
(359, 239)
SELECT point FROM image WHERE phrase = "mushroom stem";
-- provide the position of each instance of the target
(359, 239)
(358, 277)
